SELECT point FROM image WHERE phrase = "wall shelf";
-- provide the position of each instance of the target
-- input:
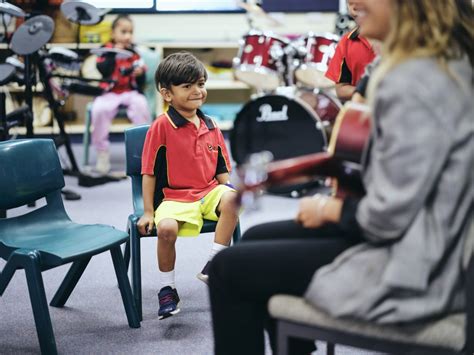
(220, 90)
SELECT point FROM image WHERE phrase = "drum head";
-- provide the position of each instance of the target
(7, 71)
(313, 75)
(258, 77)
(286, 127)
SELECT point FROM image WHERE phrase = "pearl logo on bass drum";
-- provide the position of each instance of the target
(268, 115)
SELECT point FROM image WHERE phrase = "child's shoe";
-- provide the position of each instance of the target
(103, 162)
(169, 302)
(204, 274)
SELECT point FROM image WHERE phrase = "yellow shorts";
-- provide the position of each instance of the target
(192, 214)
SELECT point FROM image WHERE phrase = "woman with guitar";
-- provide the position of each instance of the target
(393, 255)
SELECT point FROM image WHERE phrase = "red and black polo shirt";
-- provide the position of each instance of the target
(184, 159)
(353, 53)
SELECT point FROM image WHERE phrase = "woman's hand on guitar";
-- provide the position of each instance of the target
(318, 210)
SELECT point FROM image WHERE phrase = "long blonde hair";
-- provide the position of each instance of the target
(441, 29)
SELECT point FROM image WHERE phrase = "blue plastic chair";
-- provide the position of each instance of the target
(46, 238)
(134, 140)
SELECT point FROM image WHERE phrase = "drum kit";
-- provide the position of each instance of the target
(294, 109)
(57, 69)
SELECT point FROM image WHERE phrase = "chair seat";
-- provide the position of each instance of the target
(64, 241)
(448, 332)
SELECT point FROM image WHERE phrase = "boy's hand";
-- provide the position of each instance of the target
(145, 224)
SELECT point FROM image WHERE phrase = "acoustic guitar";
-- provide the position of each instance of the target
(341, 162)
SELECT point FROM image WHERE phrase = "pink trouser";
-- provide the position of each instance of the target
(106, 106)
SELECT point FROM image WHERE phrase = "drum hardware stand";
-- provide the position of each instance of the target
(17, 117)
(63, 138)
(251, 7)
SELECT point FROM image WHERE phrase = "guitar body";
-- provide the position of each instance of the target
(342, 161)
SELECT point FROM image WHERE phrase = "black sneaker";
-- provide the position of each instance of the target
(169, 302)
(204, 274)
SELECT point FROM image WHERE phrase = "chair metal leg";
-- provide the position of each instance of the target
(70, 281)
(283, 338)
(126, 253)
(87, 135)
(8, 271)
(124, 287)
(39, 304)
(330, 348)
(136, 268)
(236, 236)
(30, 261)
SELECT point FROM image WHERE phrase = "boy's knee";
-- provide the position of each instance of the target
(228, 204)
(167, 230)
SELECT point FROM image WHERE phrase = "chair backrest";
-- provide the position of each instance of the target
(29, 170)
(134, 140)
(151, 59)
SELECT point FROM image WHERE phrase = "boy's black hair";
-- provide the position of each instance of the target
(119, 18)
(179, 68)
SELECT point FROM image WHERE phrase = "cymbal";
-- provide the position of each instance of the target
(256, 10)
(32, 35)
(6, 8)
(6, 72)
(19, 65)
(81, 12)
(119, 53)
(251, 8)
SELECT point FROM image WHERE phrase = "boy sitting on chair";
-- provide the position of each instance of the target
(185, 168)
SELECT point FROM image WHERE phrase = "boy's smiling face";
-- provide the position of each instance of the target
(186, 97)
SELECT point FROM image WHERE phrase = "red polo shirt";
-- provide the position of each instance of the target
(185, 159)
(353, 53)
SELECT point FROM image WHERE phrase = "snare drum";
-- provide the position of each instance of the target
(260, 61)
(317, 51)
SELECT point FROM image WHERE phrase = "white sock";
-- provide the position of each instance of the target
(216, 247)
(167, 279)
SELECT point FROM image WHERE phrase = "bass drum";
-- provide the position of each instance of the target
(287, 127)
(325, 105)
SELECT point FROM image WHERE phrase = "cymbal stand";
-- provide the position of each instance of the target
(45, 75)
(82, 16)
(55, 105)
(28, 96)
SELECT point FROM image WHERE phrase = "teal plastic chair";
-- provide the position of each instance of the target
(134, 140)
(46, 238)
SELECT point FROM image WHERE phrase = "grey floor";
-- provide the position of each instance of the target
(93, 321)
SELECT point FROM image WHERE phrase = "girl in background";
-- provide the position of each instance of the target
(128, 75)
